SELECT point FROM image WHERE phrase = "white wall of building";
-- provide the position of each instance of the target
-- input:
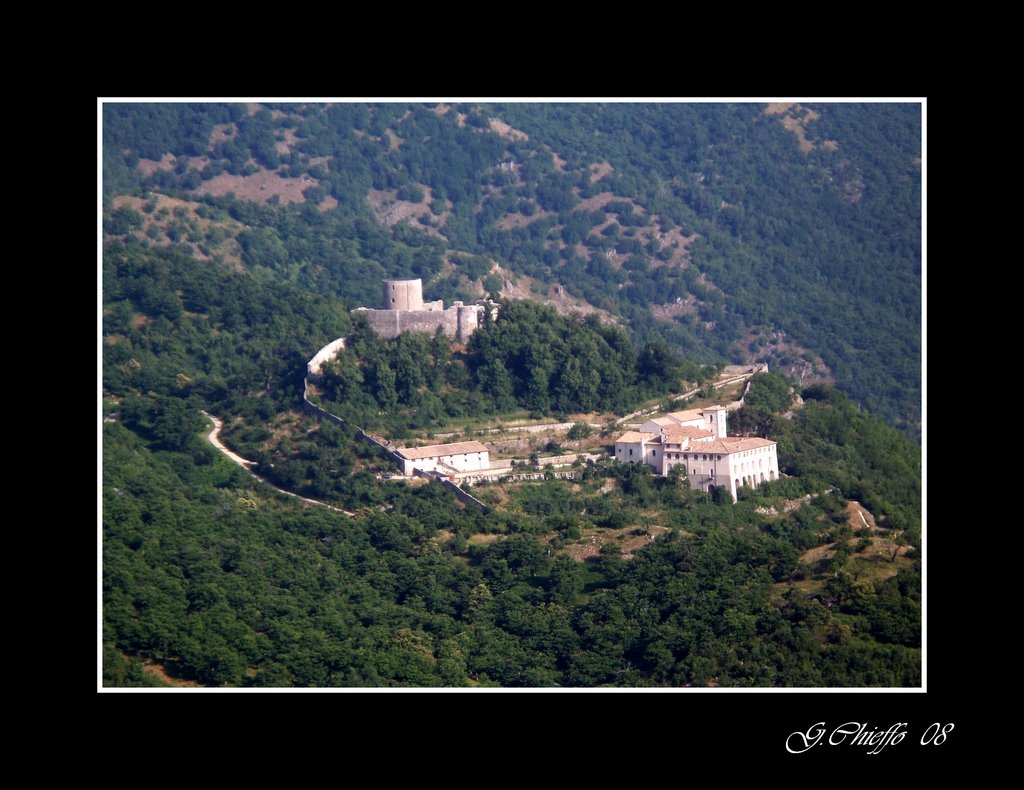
(467, 462)
(753, 467)
(630, 452)
(715, 421)
(704, 466)
(461, 462)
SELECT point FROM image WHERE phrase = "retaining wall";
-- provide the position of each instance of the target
(315, 366)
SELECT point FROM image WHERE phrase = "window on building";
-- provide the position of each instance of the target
(630, 450)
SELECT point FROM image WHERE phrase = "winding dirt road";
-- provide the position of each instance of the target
(213, 437)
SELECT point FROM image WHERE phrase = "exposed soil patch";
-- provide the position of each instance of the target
(796, 127)
(681, 252)
(285, 146)
(390, 211)
(634, 543)
(596, 202)
(149, 166)
(258, 187)
(217, 237)
(590, 543)
(669, 310)
(566, 305)
(160, 671)
(502, 128)
(483, 540)
(795, 119)
(871, 564)
(515, 287)
(510, 221)
(222, 132)
(600, 170)
(859, 516)
(784, 356)
(555, 295)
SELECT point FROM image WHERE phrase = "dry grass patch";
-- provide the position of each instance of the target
(506, 131)
(161, 672)
(597, 201)
(481, 539)
(593, 539)
(600, 170)
(258, 187)
(795, 118)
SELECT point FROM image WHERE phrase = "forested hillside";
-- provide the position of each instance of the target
(732, 232)
(210, 578)
(237, 239)
(531, 359)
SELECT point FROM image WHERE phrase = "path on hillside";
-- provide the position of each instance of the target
(213, 438)
(548, 426)
(685, 395)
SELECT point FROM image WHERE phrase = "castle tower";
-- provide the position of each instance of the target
(403, 295)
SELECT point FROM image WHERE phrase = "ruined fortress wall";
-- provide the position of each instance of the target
(405, 311)
(457, 321)
(428, 322)
(469, 316)
(391, 323)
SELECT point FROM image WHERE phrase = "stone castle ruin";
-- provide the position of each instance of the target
(405, 311)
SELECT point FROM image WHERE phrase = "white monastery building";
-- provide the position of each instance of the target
(697, 440)
(445, 458)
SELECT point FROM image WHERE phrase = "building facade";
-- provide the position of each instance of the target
(444, 458)
(697, 440)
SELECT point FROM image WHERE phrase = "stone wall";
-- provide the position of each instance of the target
(461, 494)
(361, 435)
(315, 366)
(384, 446)
(458, 321)
(309, 406)
(567, 460)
